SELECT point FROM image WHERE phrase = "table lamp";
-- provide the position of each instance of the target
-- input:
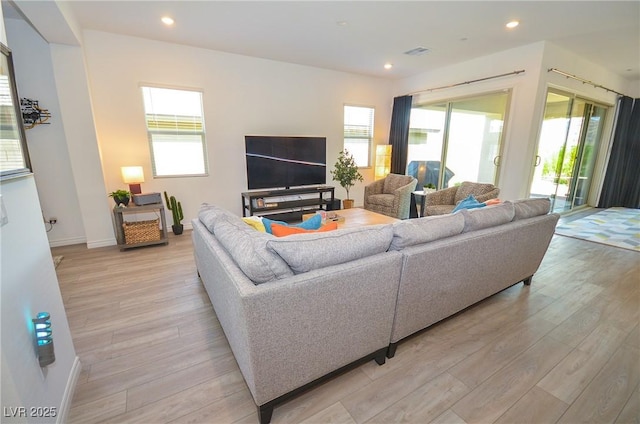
(133, 175)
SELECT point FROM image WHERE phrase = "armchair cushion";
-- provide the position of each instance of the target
(395, 181)
(385, 200)
(444, 201)
(478, 190)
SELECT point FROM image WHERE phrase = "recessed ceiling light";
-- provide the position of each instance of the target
(167, 20)
(512, 24)
(342, 23)
(388, 65)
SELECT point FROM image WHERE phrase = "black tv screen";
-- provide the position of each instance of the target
(283, 162)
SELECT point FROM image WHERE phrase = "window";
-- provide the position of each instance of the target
(175, 125)
(463, 134)
(358, 133)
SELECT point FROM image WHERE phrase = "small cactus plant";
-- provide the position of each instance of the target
(176, 212)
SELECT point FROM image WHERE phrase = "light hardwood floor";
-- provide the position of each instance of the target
(566, 349)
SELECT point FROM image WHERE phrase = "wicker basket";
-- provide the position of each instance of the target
(141, 231)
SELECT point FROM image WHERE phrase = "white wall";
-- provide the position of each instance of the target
(84, 153)
(516, 149)
(242, 95)
(47, 143)
(527, 101)
(29, 285)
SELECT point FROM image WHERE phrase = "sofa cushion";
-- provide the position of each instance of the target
(527, 208)
(312, 223)
(286, 230)
(410, 232)
(468, 202)
(248, 248)
(490, 216)
(306, 252)
(255, 222)
(209, 213)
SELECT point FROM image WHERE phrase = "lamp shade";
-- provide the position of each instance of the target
(383, 161)
(132, 174)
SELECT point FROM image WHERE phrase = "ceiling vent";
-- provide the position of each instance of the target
(417, 51)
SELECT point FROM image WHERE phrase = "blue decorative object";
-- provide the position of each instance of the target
(469, 202)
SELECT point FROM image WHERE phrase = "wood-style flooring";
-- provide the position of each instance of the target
(566, 349)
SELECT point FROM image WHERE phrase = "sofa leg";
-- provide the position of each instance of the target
(264, 413)
(391, 350)
(381, 357)
(527, 281)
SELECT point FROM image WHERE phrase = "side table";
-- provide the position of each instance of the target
(420, 195)
(119, 219)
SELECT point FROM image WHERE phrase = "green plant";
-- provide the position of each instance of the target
(120, 194)
(175, 207)
(346, 171)
(431, 186)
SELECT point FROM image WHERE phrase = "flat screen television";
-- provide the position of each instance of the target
(284, 162)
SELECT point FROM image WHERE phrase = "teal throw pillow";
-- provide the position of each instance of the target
(312, 223)
(469, 202)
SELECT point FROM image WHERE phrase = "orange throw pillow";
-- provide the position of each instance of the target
(280, 230)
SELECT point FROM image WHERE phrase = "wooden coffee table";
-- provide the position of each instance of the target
(359, 217)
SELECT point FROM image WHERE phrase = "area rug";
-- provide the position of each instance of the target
(619, 227)
(57, 260)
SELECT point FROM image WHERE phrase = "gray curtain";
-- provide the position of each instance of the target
(622, 180)
(399, 133)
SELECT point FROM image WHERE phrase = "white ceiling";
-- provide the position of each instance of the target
(373, 32)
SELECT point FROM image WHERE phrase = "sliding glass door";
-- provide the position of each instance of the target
(569, 139)
(465, 135)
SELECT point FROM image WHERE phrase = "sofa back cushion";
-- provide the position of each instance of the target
(410, 232)
(248, 248)
(527, 208)
(490, 216)
(306, 252)
(394, 181)
(209, 214)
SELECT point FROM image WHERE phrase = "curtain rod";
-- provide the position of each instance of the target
(466, 82)
(584, 81)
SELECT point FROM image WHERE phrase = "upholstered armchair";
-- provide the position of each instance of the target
(443, 201)
(390, 196)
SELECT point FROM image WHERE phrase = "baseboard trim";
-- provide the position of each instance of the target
(67, 241)
(101, 243)
(65, 405)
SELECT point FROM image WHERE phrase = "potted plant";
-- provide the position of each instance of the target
(121, 197)
(176, 212)
(429, 188)
(346, 173)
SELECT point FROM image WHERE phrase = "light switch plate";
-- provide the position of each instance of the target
(4, 218)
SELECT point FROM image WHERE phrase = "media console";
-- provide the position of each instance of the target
(287, 205)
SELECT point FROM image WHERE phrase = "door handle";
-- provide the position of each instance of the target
(538, 160)
(496, 160)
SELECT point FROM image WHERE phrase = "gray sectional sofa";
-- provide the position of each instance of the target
(297, 310)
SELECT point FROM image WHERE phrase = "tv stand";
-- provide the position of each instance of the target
(287, 204)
